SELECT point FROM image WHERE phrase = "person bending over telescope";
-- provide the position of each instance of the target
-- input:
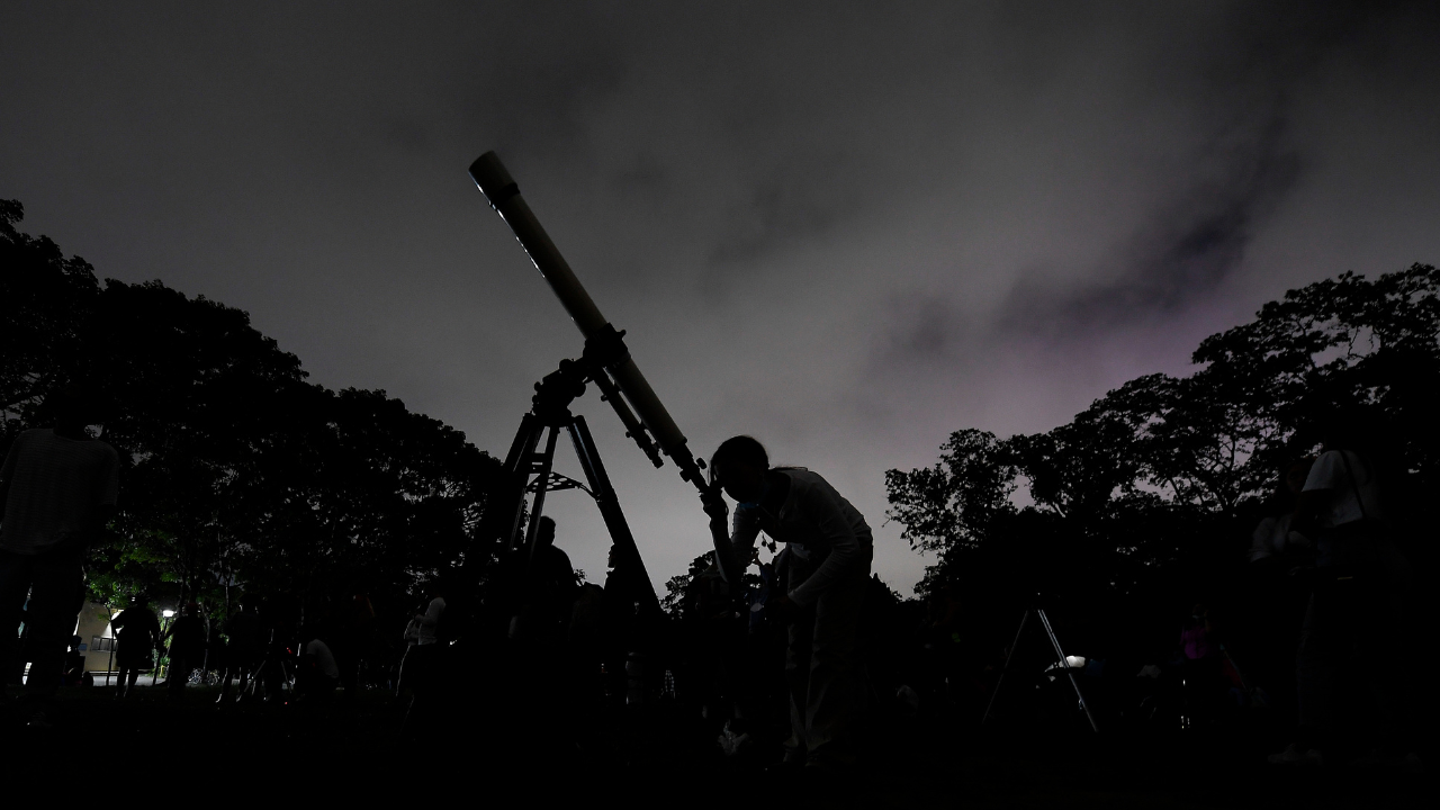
(830, 548)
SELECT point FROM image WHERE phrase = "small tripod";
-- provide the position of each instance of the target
(1061, 662)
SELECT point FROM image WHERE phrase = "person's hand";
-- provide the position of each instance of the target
(715, 507)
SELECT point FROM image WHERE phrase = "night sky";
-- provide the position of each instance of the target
(845, 229)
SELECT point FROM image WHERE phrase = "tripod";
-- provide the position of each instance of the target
(1061, 662)
(529, 469)
(607, 363)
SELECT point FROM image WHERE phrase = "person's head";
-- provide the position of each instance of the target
(72, 407)
(1293, 479)
(739, 466)
(1339, 422)
(546, 533)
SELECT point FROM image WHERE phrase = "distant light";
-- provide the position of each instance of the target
(167, 613)
(1074, 661)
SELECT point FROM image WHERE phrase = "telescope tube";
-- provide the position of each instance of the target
(504, 196)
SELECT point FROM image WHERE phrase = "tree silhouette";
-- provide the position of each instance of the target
(1150, 492)
(236, 471)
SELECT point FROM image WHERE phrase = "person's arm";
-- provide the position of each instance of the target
(732, 543)
(1260, 540)
(739, 547)
(1308, 507)
(817, 504)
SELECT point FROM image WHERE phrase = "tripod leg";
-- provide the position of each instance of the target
(610, 509)
(542, 479)
(1055, 642)
(1008, 658)
(517, 472)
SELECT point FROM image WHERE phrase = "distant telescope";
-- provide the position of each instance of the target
(504, 196)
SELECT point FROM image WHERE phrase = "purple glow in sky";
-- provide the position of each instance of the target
(846, 229)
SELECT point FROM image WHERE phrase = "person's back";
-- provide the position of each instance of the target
(137, 632)
(187, 637)
(318, 674)
(137, 624)
(243, 629)
(58, 487)
(187, 649)
(55, 484)
(1348, 509)
(556, 588)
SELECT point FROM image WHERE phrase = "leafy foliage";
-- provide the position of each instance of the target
(236, 472)
(1160, 477)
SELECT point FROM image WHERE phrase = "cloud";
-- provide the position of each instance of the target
(848, 228)
(1180, 254)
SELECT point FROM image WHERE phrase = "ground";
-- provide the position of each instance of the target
(359, 750)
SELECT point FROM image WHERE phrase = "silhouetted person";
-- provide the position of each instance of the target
(1351, 639)
(58, 487)
(137, 634)
(1277, 598)
(277, 622)
(832, 547)
(187, 648)
(74, 663)
(317, 675)
(243, 650)
(424, 663)
(1202, 664)
(585, 640)
(1271, 538)
(549, 590)
(353, 640)
(619, 619)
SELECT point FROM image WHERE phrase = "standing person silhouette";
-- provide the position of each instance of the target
(1348, 661)
(58, 486)
(187, 639)
(244, 651)
(822, 597)
(138, 633)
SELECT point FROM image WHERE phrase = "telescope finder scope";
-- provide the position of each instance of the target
(503, 194)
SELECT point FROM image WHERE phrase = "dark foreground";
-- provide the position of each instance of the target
(358, 750)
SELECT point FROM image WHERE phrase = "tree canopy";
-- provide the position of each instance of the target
(1155, 485)
(237, 473)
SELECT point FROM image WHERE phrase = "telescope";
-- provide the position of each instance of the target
(607, 363)
(620, 369)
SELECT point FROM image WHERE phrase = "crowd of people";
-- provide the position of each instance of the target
(782, 656)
